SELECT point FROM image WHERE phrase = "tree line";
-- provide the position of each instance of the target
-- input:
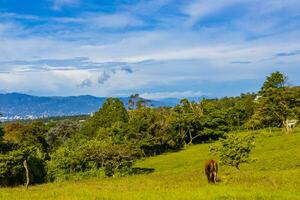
(108, 143)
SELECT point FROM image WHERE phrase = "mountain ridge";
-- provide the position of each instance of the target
(24, 106)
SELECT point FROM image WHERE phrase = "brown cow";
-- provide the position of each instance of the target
(211, 170)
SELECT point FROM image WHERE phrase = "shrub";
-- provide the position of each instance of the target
(11, 166)
(90, 155)
(234, 149)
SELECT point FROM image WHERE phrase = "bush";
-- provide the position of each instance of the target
(59, 134)
(90, 155)
(234, 149)
(12, 171)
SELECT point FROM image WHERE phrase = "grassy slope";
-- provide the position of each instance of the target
(274, 174)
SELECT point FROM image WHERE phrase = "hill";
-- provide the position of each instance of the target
(23, 106)
(274, 173)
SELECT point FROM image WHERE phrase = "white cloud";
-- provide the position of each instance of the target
(211, 62)
(176, 94)
(147, 7)
(119, 20)
(58, 4)
(272, 6)
(10, 15)
(98, 20)
(199, 9)
(179, 54)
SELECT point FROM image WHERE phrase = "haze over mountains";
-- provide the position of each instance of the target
(15, 106)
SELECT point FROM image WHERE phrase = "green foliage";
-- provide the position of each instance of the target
(150, 130)
(136, 102)
(11, 166)
(275, 104)
(275, 107)
(234, 149)
(27, 134)
(63, 130)
(226, 114)
(274, 174)
(86, 155)
(1, 132)
(107, 143)
(186, 121)
(111, 111)
(4, 146)
(275, 80)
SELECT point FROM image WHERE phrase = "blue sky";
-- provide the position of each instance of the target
(158, 48)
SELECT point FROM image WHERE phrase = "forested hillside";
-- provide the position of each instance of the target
(110, 142)
(16, 106)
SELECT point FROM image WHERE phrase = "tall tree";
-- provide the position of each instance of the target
(275, 80)
(136, 102)
(113, 110)
(63, 130)
(132, 101)
(277, 103)
(186, 119)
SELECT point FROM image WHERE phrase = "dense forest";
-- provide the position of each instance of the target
(108, 143)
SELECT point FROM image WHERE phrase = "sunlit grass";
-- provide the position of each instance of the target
(274, 173)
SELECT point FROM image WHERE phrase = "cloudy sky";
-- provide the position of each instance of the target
(158, 48)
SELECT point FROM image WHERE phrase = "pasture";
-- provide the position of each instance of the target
(274, 173)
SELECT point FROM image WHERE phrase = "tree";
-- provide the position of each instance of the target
(111, 111)
(86, 155)
(216, 121)
(64, 129)
(14, 132)
(136, 102)
(33, 134)
(4, 146)
(234, 149)
(275, 107)
(12, 171)
(186, 120)
(111, 157)
(275, 80)
(150, 130)
(132, 101)
(276, 104)
(24, 148)
(241, 111)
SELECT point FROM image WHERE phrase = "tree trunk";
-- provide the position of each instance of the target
(27, 173)
(287, 127)
(191, 138)
(182, 136)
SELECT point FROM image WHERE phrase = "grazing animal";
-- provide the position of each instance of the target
(211, 170)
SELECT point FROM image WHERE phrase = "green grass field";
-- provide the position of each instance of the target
(274, 173)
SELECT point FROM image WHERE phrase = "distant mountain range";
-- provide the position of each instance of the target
(22, 106)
